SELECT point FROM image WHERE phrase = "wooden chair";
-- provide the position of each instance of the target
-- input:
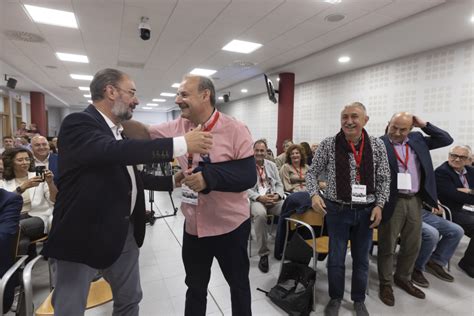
(99, 293)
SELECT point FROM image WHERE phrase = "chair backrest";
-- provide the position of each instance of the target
(311, 217)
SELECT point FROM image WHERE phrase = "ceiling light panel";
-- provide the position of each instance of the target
(84, 88)
(203, 72)
(73, 57)
(159, 100)
(81, 77)
(167, 94)
(51, 16)
(87, 96)
(241, 47)
(151, 104)
(344, 59)
(175, 85)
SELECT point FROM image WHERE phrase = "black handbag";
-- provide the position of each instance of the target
(297, 250)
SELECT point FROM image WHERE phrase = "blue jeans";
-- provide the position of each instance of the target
(345, 223)
(439, 251)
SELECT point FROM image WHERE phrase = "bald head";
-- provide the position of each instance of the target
(400, 126)
(40, 147)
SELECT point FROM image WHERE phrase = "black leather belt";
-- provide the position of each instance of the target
(406, 195)
(353, 206)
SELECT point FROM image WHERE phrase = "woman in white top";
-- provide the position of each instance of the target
(38, 192)
(293, 172)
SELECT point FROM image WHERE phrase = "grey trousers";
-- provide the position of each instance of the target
(259, 213)
(73, 281)
(406, 222)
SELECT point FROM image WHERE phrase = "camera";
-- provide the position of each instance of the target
(144, 28)
(40, 171)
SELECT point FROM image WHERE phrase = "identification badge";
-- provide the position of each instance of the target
(359, 193)
(189, 196)
(262, 190)
(403, 181)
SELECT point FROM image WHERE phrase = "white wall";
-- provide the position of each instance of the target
(437, 85)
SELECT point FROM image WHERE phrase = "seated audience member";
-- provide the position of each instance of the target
(281, 158)
(43, 156)
(22, 130)
(455, 183)
(38, 192)
(435, 253)
(1, 170)
(55, 143)
(10, 206)
(8, 143)
(266, 197)
(308, 152)
(52, 148)
(293, 172)
(23, 142)
(270, 155)
(33, 130)
(314, 147)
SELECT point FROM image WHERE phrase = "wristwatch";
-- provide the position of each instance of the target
(19, 190)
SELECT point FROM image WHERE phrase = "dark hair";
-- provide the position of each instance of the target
(205, 83)
(260, 141)
(306, 147)
(102, 79)
(302, 154)
(8, 162)
(8, 137)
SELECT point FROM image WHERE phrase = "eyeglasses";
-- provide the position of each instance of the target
(454, 157)
(131, 93)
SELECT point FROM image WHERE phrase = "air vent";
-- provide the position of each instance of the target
(23, 36)
(334, 17)
(51, 67)
(130, 64)
(243, 64)
(69, 88)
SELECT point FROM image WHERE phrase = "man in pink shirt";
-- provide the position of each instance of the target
(214, 201)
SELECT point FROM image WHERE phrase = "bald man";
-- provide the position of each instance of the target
(413, 184)
(43, 156)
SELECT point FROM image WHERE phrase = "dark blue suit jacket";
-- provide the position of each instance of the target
(421, 145)
(92, 211)
(53, 166)
(10, 207)
(447, 181)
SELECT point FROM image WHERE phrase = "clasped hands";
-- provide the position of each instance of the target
(269, 199)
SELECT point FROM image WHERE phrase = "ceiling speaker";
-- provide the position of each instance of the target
(11, 83)
(226, 98)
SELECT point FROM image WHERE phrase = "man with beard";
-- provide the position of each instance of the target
(358, 186)
(99, 215)
(215, 202)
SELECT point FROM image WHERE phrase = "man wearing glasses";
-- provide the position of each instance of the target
(99, 216)
(455, 182)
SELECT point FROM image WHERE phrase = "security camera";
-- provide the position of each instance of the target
(144, 28)
(226, 97)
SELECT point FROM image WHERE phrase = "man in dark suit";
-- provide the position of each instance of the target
(10, 207)
(413, 183)
(99, 215)
(455, 182)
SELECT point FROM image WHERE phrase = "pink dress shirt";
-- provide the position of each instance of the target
(217, 213)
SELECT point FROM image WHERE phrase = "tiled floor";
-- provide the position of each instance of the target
(162, 277)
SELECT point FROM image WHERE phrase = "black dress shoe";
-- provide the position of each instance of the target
(466, 268)
(263, 264)
(409, 288)
(386, 295)
(438, 271)
(419, 279)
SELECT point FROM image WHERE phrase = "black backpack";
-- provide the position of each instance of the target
(294, 290)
